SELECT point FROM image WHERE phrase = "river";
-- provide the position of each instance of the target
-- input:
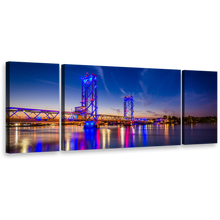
(46, 138)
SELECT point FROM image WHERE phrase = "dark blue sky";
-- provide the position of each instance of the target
(156, 92)
(200, 92)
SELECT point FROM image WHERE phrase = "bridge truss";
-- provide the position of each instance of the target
(31, 113)
(89, 102)
(129, 107)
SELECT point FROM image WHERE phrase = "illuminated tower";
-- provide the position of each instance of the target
(89, 97)
(129, 107)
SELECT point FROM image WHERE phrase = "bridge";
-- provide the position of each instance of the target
(88, 111)
(36, 115)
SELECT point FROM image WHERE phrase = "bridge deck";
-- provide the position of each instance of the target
(49, 114)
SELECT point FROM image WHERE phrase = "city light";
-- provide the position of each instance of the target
(154, 92)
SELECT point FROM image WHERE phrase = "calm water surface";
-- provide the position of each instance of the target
(46, 138)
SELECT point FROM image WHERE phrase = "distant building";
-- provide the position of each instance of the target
(159, 119)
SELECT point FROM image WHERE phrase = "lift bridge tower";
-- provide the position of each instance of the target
(89, 102)
(129, 107)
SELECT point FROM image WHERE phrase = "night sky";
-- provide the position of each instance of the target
(156, 92)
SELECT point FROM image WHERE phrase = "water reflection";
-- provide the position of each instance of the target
(103, 139)
(166, 130)
(139, 131)
(98, 138)
(68, 144)
(122, 136)
(119, 135)
(133, 135)
(144, 135)
(32, 139)
(39, 145)
(89, 139)
(108, 136)
(76, 143)
(24, 144)
(16, 135)
(126, 136)
(39, 139)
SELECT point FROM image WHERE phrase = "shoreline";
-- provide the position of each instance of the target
(82, 123)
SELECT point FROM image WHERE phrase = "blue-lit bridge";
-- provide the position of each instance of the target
(29, 115)
(88, 111)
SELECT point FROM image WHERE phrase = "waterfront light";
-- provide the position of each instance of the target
(16, 135)
(103, 139)
(68, 144)
(108, 133)
(25, 143)
(122, 137)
